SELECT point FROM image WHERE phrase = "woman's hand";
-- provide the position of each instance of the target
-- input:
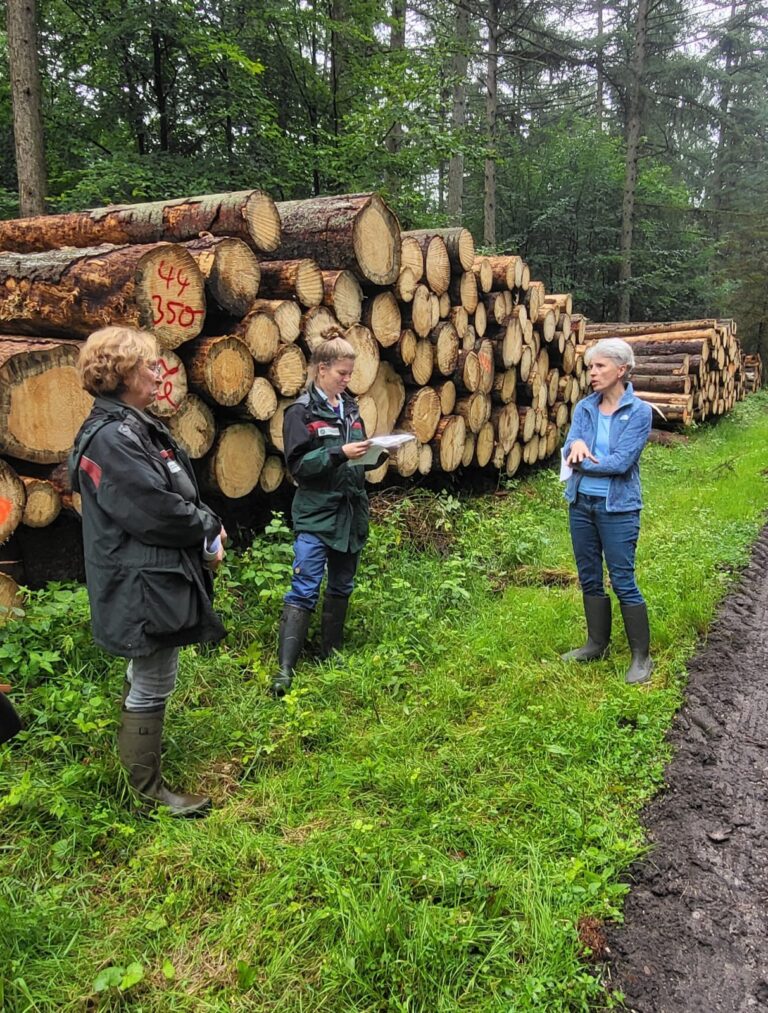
(354, 450)
(579, 452)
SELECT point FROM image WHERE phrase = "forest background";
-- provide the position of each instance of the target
(621, 148)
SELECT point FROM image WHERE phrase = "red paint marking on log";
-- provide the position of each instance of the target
(6, 508)
(169, 315)
(167, 278)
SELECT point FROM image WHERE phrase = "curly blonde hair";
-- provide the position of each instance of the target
(110, 355)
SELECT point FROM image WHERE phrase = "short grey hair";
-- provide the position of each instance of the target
(612, 348)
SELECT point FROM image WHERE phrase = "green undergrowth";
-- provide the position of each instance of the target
(424, 824)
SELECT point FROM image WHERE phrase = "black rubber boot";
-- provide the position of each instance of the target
(597, 612)
(332, 627)
(639, 636)
(139, 744)
(294, 624)
(10, 724)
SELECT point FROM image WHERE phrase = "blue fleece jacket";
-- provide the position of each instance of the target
(630, 428)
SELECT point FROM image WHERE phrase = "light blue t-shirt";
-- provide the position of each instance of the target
(598, 485)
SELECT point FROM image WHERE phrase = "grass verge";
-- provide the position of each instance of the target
(422, 826)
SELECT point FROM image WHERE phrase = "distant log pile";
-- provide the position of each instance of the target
(688, 370)
(466, 352)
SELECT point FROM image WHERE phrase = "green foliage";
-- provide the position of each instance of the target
(421, 824)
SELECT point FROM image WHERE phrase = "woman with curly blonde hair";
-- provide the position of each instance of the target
(151, 546)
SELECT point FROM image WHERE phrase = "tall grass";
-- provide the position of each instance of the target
(420, 826)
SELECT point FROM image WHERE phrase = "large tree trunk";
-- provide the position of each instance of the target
(356, 232)
(248, 214)
(26, 101)
(394, 139)
(42, 402)
(74, 292)
(491, 111)
(458, 114)
(634, 129)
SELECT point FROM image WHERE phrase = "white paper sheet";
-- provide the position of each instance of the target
(379, 443)
(565, 469)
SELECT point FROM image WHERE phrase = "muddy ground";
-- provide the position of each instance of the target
(695, 937)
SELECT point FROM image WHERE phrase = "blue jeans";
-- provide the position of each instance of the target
(310, 557)
(595, 534)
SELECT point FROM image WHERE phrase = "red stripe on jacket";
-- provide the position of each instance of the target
(92, 470)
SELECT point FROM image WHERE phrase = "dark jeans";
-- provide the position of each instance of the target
(595, 534)
(310, 558)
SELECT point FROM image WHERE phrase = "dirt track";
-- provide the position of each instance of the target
(695, 937)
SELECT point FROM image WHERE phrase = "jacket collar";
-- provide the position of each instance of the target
(117, 409)
(593, 400)
(322, 405)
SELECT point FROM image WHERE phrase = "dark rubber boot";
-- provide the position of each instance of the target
(294, 624)
(597, 612)
(139, 744)
(639, 637)
(10, 724)
(332, 627)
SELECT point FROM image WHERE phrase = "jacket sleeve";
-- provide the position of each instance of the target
(627, 454)
(302, 459)
(577, 430)
(130, 491)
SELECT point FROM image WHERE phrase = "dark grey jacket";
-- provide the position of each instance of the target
(144, 527)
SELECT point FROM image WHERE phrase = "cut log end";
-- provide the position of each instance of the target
(376, 240)
(193, 426)
(263, 221)
(235, 463)
(170, 294)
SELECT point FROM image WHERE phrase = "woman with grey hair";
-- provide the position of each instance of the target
(607, 435)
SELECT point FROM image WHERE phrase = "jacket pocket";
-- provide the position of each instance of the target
(171, 601)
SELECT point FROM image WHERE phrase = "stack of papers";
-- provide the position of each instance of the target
(379, 443)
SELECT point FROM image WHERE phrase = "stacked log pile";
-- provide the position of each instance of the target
(688, 370)
(466, 352)
(752, 372)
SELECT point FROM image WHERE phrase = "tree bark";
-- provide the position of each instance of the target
(491, 112)
(356, 232)
(249, 214)
(26, 101)
(74, 292)
(458, 113)
(286, 279)
(634, 129)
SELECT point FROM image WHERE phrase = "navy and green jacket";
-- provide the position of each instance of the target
(331, 501)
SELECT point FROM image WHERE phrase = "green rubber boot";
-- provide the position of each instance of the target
(139, 743)
(597, 612)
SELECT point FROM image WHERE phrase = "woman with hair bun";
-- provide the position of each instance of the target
(608, 433)
(150, 544)
(324, 438)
